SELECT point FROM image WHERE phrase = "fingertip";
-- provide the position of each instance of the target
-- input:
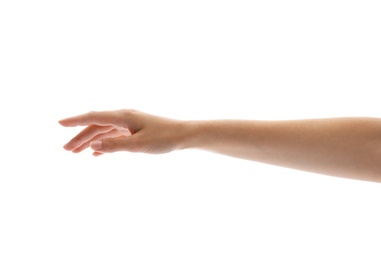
(66, 147)
(67, 123)
(62, 121)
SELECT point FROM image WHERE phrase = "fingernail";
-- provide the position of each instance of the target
(96, 145)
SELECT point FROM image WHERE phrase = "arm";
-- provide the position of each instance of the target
(343, 147)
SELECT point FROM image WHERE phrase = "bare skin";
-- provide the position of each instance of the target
(343, 147)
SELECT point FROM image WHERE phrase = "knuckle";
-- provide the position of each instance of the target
(127, 116)
(78, 140)
(127, 112)
(110, 144)
(135, 146)
(113, 142)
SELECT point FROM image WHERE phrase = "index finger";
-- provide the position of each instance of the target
(102, 118)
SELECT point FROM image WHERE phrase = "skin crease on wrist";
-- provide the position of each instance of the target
(342, 147)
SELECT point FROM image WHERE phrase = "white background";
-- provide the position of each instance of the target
(187, 60)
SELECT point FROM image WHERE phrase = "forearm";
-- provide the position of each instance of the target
(344, 147)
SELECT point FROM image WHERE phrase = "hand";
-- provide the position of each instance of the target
(124, 130)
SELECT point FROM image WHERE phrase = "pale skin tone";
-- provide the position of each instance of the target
(343, 147)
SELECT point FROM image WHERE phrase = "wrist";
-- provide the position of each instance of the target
(192, 133)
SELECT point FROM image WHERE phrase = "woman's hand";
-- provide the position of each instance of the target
(125, 130)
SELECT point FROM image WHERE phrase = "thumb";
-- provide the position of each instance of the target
(110, 145)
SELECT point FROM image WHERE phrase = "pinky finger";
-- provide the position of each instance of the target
(96, 154)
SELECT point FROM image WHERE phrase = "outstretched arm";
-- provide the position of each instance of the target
(343, 147)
